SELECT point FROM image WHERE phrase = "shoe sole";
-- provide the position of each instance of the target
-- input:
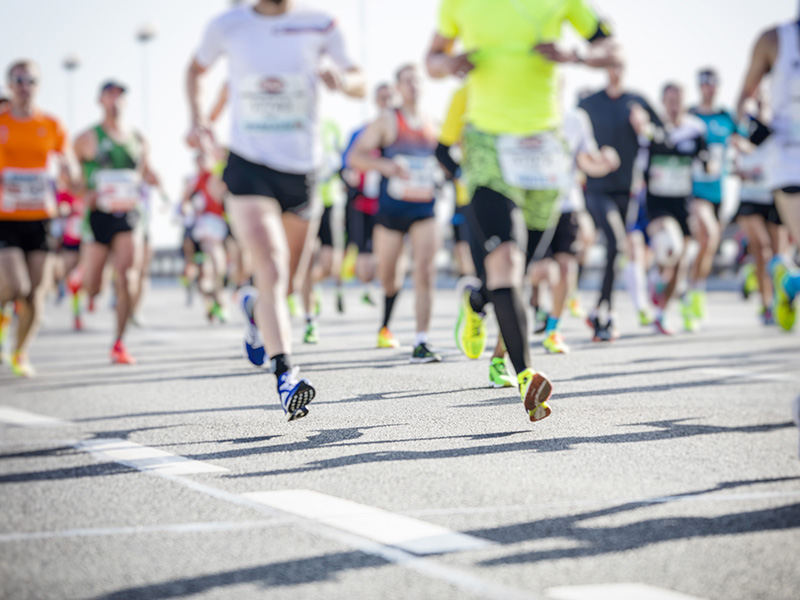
(500, 386)
(423, 361)
(302, 397)
(536, 398)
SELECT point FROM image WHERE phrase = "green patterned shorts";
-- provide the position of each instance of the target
(482, 169)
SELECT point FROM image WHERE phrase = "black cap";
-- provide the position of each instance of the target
(708, 77)
(111, 84)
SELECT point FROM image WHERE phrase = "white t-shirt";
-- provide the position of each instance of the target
(577, 129)
(273, 77)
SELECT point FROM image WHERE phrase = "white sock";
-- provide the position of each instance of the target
(422, 338)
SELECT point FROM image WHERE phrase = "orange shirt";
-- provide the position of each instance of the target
(26, 193)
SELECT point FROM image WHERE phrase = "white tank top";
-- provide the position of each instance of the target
(784, 167)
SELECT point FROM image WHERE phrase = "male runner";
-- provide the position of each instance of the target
(362, 201)
(705, 206)
(608, 198)
(28, 139)
(407, 142)
(115, 166)
(274, 52)
(513, 116)
(777, 52)
(675, 152)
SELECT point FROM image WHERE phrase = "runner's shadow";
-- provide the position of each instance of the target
(295, 572)
(589, 541)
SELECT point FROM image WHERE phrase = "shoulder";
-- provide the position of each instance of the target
(695, 125)
(591, 100)
(310, 20)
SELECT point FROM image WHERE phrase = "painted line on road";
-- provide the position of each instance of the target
(615, 591)
(732, 373)
(144, 458)
(210, 527)
(24, 418)
(409, 534)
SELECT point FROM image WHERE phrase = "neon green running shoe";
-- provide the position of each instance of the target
(499, 375)
(470, 325)
(785, 313)
(312, 333)
(294, 309)
(554, 343)
(535, 390)
(645, 318)
(749, 280)
(690, 323)
(698, 300)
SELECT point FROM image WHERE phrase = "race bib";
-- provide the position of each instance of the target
(670, 177)
(273, 104)
(27, 190)
(716, 160)
(533, 163)
(118, 190)
(421, 183)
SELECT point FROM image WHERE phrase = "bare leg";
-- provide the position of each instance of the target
(39, 265)
(424, 242)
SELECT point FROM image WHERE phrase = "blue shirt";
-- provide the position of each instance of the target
(720, 126)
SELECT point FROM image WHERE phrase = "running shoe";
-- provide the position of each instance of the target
(386, 339)
(575, 309)
(120, 356)
(539, 321)
(422, 354)
(749, 280)
(785, 312)
(535, 390)
(312, 333)
(366, 298)
(78, 323)
(697, 299)
(340, 302)
(660, 326)
(767, 318)
(645, 318)
(690, 323)
(5, 324)
(554, 343)
(295, 394)
(219, 313)
(294, 309)
(499, 375)
(253, 342)
(470, 325)
(21, 366)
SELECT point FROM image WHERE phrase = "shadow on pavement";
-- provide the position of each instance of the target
(595, 541)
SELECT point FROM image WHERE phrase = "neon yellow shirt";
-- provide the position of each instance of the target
(512, 89)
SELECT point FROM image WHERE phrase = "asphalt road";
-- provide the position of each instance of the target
(669, 468)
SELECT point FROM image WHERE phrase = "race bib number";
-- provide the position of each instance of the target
(118, 190)
(273, 104)
(27, 190)
(670, 177)
(533, 163)
(421, 183)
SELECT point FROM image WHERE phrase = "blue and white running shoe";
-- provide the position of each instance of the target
(295, 394)
(253, 342)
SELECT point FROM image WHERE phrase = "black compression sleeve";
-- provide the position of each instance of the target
(445, 158)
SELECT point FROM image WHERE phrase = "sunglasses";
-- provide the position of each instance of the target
(24, 81)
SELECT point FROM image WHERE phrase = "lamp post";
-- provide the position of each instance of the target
(71, 63)
(144, 35)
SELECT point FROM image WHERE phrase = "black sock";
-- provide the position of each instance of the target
(513, 323)
(281, 363)
(478, 299)
(388, 305)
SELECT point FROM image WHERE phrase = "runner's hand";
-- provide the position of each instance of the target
(611, 157)
(555, 53)
(199, 135)
(390, 168)
(639, 118)
(331, 80)
(459, 65)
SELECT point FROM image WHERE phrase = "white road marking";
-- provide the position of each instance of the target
(144, 458)
(24, 418)
(751, 375)
(615, 591)
(399, 531)
(210, 527)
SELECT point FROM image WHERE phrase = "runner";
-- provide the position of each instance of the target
(115, 167)
(28, 138)
(674, 153)
(326, 261)
(71, 209)
(563, 248)
(705, 207)
(407, 141)
(608, 199)
(190, 249)
(757, 215)
(512, 116)
(777, 52)
(362, 202)
(273, 51)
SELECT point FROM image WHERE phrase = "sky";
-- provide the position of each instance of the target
(664, 40)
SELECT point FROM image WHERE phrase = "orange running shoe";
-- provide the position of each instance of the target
(120, 356)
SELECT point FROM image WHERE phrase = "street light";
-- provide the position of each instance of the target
(71, 63)
(145, 33)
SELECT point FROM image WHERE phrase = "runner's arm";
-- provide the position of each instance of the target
(349, 79)
(197, 127)
(219, 106)
(440, 61)
(361, 157)
(763, 55)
